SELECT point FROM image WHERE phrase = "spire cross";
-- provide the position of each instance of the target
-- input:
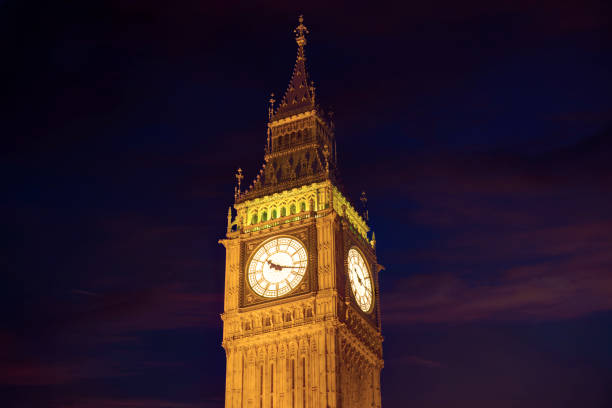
(271, 108)
(239, 177)
(312, 90)
(299, 31)
(326, 156)
(364, 203)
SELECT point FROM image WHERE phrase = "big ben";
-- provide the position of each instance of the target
(301, 321)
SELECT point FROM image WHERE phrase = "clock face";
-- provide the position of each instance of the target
(361, 282)
(277, 267)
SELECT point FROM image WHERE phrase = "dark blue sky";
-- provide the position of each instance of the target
(482, 133)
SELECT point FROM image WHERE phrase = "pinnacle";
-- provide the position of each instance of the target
(299, 96)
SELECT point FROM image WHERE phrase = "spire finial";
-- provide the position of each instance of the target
(364, 204)
(271, 108)
(312, 91)
(326, 156)
(299, 31)
(299, 96)
(239, 177)
(229, 219)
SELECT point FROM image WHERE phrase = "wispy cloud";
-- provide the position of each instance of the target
(416, 361)
(134, 403)
(522, 237)
(556, 289)
(162, 307)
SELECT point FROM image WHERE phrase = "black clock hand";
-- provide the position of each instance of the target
(274, 266)
(358, 278)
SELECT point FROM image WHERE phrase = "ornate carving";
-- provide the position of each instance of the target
(324, 245)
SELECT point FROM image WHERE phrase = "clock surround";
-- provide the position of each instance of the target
(280, 264)
(360, 279)
(306, 234)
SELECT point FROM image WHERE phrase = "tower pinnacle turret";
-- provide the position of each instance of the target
(300, 143)
(299, 96)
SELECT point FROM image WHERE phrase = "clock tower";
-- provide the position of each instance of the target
(301, 321)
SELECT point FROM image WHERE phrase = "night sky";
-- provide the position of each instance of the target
(480, 130)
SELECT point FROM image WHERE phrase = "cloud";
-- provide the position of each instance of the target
(37, 373)
(134, 403)
(163, 307)
(556, 289)
(416, 361)
(515, 237)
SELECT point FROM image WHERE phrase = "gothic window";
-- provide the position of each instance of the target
(272, 385)
(264, 216)
(283, 211)
(292, 209)
(254, 219)
(273, 216)
(304, 381)
(302, 206)
(261, 389)
(292, 376)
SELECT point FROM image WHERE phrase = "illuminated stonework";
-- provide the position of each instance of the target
(296, 332)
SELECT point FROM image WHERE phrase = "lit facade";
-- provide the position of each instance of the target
(301, 321)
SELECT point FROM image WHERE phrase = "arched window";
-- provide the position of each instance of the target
(273, 215)
(261, 386)
(304, 380)
(283, 211)
(272, 385)
(292, 209)
(264, 216)
(292, 382)
(254, 219)
(303, 206)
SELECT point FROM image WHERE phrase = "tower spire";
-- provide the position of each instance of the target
(299, 96)
(299, 31)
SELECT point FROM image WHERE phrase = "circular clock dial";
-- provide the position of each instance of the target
(361, 282)
(277, 267)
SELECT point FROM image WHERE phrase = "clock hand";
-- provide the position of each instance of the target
(357, 275)
(274, 266)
